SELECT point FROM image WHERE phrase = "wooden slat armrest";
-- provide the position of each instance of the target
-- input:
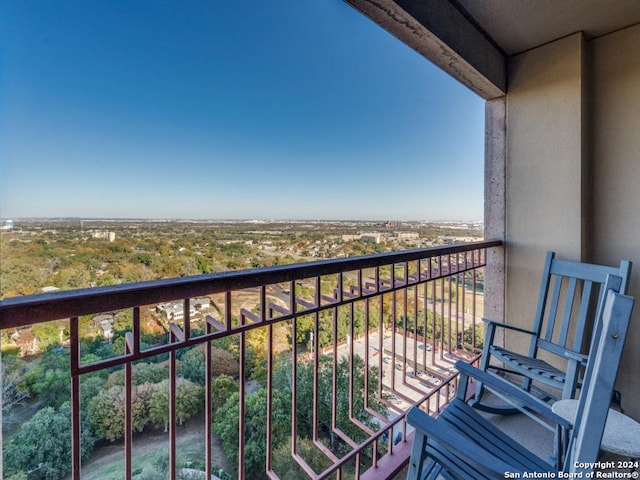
(457, 444)
(493, 324)
(512, 391)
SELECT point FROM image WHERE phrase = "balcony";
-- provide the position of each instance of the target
(329, 353)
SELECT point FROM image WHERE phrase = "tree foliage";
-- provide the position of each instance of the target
(304, 388)
(226, 426)
(149, 407)
(42, 447)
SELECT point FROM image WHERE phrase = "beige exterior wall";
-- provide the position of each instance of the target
(573, 171)
(614, 146)
(544, 178)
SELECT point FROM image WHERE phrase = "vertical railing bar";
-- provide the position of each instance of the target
(351, 342)
(473, 307)
(316, 375)
(393, 340)
(442, 338)
(437, 337)
(366, 353)
(263, 303)
(74, 360)
(457, 306)
(208, 404)
(172, 407)
(392, 279)
(380, 343)
(135, 328)
(374, 454)
(316, 360)
(294, 368)
(425, 315)
(317, 293)
(416, 300)
(241, 407)
(294, 384)
(128, 420)
(449, 303)
(334, 374)
(227, 309)
(270, 394)
(187, 319)
(128, 392)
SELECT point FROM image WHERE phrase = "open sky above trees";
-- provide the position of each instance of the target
(212, 109)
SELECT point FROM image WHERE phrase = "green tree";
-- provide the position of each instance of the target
(222, 388)
(304, 389)
(192, 366)
(189, 401)
(49, 379)
(106, 413)
(226, 426)
(288, 469)
(43, 445)
(14, 392)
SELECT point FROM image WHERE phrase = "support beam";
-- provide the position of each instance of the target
(441, 33)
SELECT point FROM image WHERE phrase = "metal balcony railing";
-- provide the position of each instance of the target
(338, 349)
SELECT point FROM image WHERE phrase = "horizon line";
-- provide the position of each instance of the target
(245, 220)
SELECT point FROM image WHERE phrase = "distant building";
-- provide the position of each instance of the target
(8, 225)
(350, 238)
(49, 289)
(175, 311)
(104, 323)
(371, 237)
(406, 235)
(24, 338)
(104, 234)
(201, 304)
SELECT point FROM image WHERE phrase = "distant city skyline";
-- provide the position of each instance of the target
(226, 110)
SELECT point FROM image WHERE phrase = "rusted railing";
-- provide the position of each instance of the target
(373, 334)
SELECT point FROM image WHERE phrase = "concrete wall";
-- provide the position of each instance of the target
(573, 170)
(544, 170)
(614, 147)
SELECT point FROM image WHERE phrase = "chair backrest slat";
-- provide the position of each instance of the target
(553, 310)
(583, 314)
(567, 312)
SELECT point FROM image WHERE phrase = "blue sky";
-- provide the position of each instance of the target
(222, 109)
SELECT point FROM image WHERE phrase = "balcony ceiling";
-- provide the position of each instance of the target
(473, 39)
(519, 25)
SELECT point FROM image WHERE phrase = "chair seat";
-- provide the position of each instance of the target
(478, 429)
(530, 367)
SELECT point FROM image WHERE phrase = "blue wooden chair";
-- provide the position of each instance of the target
(462, 444)
(569, 292)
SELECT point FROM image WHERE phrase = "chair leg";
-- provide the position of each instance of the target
(476, 402)
(416, 461)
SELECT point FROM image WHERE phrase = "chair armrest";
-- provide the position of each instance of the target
(443, 436)
(512, 391)
(578, 357)
(493, 324)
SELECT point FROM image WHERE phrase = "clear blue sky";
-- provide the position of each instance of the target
(223, 109)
